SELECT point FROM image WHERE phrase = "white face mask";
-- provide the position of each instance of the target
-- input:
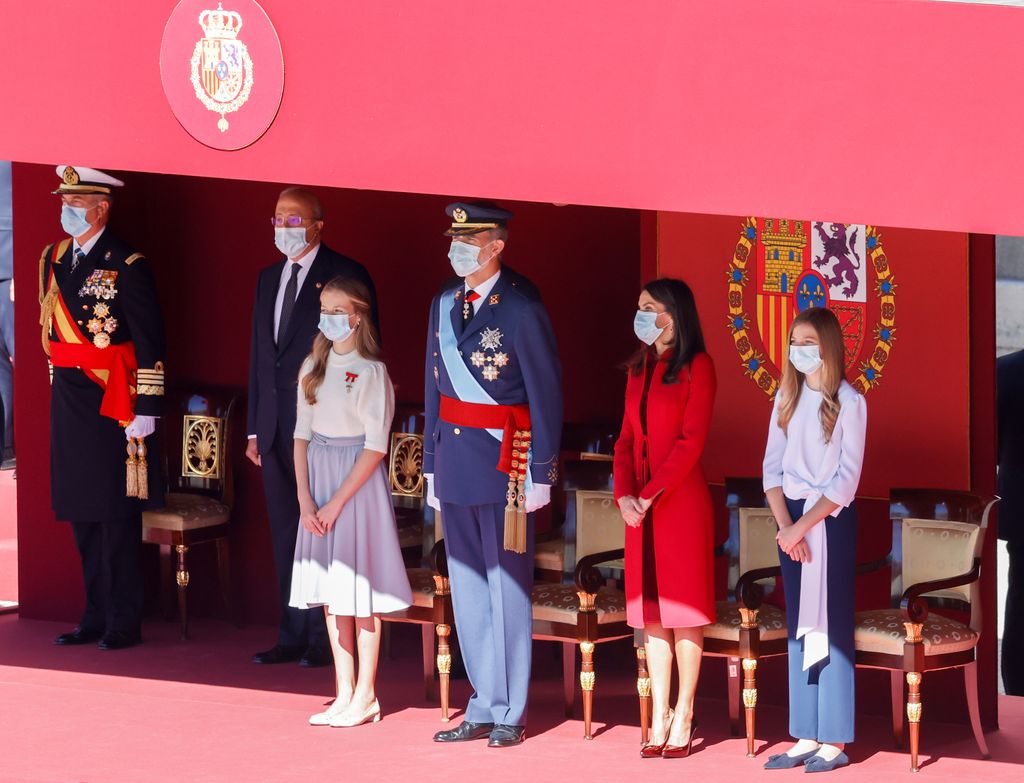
(290, 241)
(645, 326)
(806, 358)
(465, 258)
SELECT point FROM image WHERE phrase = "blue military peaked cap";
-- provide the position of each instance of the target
(472, 218)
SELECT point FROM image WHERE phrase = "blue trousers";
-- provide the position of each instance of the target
(491, 597)
(821, 699)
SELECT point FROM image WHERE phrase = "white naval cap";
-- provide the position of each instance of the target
(84, 180)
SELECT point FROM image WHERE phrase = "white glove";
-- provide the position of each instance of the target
(537, 496)
(140, 427)
(432, 500)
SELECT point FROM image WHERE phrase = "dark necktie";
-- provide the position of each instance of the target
(290, 290)
(467, 306)
(76, 258)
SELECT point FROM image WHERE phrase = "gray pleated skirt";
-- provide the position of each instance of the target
(357, 568)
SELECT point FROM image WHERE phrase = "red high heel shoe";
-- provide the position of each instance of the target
(680, 751)
(651, 751)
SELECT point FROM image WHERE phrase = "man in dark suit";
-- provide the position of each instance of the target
(1010, 381)
(285, 319)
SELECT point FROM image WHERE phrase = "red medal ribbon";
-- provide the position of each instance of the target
(118, 360)
(508, 418)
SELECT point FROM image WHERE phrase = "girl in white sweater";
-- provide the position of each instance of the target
(812, 466)
(347, 556)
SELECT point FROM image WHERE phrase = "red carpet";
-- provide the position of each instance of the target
(199, 711)
(8, 538)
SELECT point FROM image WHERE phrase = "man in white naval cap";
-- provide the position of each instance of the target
(104, 335)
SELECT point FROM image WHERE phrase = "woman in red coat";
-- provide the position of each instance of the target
(665, 503)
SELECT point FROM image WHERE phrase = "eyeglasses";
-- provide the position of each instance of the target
(292, 221)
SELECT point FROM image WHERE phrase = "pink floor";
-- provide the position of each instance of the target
(199, 711)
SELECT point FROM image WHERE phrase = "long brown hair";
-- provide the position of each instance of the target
(367, 338)
(833, 370)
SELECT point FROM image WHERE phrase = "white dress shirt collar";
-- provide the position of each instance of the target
(483, 289)
(90, 243)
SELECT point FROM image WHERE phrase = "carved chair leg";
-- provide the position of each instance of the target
(643, 689)
(896, 686)
(182, 579)
(428, 661)
(568, 676)
(224, 577)
(587, 677)
(914, 716)
(444, 666)
(750, 701)
(971, 687)
(167, 595)
(732, 668)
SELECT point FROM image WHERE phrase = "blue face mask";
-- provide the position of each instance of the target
(645, 326)
(465, 258)
(72, 220)
(806, 358)
(335, 326)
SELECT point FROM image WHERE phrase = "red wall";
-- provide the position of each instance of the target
(207, 238)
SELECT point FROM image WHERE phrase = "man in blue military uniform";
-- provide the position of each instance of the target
(104, 335)
(493, 396)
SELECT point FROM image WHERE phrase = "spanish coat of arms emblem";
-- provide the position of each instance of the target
(781, 267)
(221, 68)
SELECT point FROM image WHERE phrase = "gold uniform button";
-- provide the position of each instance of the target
(457, 431)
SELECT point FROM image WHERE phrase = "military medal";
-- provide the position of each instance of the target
(490, 364)
(350, 379)
(102, 325)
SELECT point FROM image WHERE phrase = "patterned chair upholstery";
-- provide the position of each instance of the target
(199, 493)
(935, 562)
(588, 606)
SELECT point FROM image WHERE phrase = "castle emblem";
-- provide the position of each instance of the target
(782, 267)
(221, 67)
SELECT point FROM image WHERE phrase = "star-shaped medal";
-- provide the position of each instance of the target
(490, 373)
(490, 339)
(478, 358)
(500, 359)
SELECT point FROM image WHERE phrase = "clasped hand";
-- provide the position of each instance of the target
(791, 541)
(633, 509)
(319, 521)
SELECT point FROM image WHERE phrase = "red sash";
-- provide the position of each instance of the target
(508, 418)
(117, 360)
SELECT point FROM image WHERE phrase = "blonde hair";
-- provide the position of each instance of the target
(367, 339)
(833, 370)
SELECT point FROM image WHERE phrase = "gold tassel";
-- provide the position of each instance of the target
(131, 471)
(142, 471)
(515, 508)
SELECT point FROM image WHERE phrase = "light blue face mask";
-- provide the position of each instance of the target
(645, 326)
(290, 241)
(72, 220)
(335, 326)
(465, 258)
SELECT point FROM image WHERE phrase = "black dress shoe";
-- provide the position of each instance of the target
(119, 640)
(78, 636)
(279, 653)
(504, 736)
(316, 656)
(467, 730)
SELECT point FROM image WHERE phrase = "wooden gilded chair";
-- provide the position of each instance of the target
(200, 489)
(935, 563)
(588, 607)
(419, 529)
(745, 629)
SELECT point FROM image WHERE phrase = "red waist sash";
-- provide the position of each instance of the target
(508, 418)
(120, 363)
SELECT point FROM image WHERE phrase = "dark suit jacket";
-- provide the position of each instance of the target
(274, 367)
(1010, 381)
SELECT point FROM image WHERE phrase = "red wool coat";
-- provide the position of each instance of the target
(678, 419)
